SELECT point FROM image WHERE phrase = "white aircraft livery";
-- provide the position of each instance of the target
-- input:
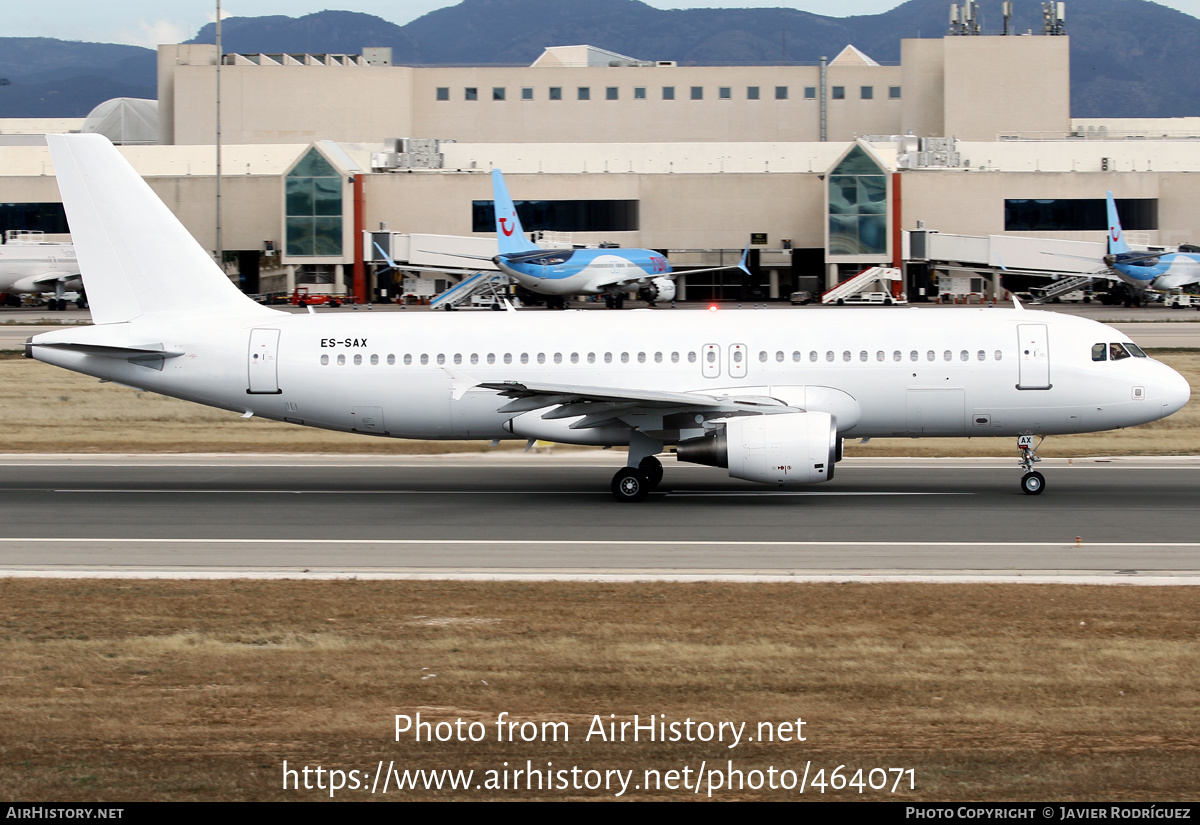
(39, 267)
(767, 394)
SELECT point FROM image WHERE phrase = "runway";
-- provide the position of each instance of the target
(551, 516)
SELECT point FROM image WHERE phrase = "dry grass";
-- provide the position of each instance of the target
(62, 411)
(169, 690)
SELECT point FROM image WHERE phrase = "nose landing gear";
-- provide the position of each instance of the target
(1032, 483)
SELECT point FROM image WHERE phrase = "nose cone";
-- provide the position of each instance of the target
(1175, 392)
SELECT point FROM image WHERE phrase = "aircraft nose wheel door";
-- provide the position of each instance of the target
(263, 365)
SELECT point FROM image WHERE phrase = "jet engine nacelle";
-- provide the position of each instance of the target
(787, 448)
(660, 289)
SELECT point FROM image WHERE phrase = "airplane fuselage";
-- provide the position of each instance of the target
(36, 267)
(911, 372)
(1169, 271)
(583, 271)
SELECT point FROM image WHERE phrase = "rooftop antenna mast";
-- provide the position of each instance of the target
(1054, 18)
(964, 19)
(1007, 10)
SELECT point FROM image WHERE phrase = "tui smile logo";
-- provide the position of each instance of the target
(505, 228)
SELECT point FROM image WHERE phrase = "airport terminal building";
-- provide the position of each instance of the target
(824, 167)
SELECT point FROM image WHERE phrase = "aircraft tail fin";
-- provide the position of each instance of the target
(136, 257)
(1116, 237)
(510, 237)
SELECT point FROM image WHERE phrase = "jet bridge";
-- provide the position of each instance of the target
(1070, 265)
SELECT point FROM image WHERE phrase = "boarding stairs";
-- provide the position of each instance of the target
(489, 282)
(1062, 287)
(860, 283)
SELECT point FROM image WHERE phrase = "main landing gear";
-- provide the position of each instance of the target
(643, 471)
(1032, 483)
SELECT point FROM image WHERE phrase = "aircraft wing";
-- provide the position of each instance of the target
(600, 406)
(51, 278)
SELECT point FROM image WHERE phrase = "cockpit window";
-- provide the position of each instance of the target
(1136, 350)
(1118, 351)
(1099, 352)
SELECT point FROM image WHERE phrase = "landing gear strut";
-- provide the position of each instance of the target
(643, 471)
(1032, 483)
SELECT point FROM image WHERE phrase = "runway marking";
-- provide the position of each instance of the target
(801, 493)
(608, 542)
(668, 494)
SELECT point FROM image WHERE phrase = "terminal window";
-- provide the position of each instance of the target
(1077, 214)
(668, 92)
(839, 92)
(471, 93)
(751, 93)
(781, 92)
(810, 92)
(585, 93)
(867, 93)
(610, 93)
(893, 92)
(562, 216)
(697, 93)
(527, 93)
(313, 206)
(725, 93)
(497, 93)
(857, 206)
(639, 92)
(443, 92)
(556, 92)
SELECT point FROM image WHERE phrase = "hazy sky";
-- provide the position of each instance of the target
(150, 22)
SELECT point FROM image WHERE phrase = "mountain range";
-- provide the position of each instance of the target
(1129, 58)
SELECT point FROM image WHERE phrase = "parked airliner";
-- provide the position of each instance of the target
(767, 394)
(560, 273)
(1158, 271)
(32, 266)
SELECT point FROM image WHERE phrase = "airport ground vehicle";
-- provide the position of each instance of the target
(302, 297)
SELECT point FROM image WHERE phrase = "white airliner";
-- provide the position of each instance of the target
(39, 267)
(769, 394)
